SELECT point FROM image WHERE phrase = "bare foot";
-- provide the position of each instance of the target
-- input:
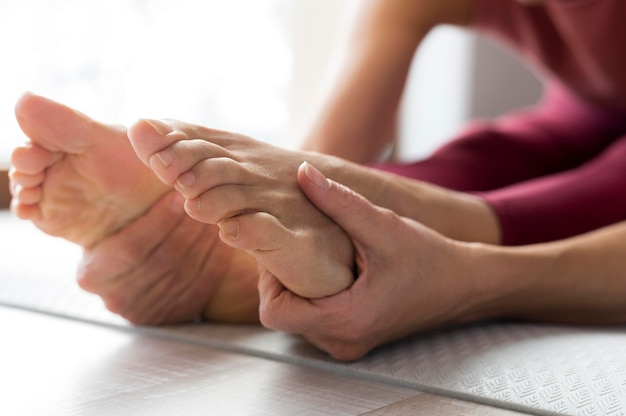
(81, 180)
(226, 176)
(76, 178)
(165, 267)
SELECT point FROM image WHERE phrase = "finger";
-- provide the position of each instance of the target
(282, 310)
(362, 220)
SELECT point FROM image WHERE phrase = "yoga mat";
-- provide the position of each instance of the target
(538, 369)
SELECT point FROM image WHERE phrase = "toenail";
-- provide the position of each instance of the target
(166, 157)
(186, 179)
(159, 126)
(230, 228)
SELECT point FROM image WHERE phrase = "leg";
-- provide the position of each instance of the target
(232, 178)
(557, 135)
(80, 180)
(565, 204)
(165, 267)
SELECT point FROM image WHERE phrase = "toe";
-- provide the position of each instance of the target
(149, 137)
(27, 196)
(54, 126)
(259, 231)
(24, 211)
(32, 159)
(25, 180)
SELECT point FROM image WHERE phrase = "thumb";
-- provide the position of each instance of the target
(361, 219)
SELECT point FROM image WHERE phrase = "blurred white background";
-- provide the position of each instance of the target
(252, 66)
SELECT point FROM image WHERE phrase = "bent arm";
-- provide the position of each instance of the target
(411, 279)
(358, 117)
(576, 280)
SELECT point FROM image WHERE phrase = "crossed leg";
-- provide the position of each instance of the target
(228, 179)
(76, 178)
(81, 180)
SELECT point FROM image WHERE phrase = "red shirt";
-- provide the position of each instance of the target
(580, 43)
(558, 169)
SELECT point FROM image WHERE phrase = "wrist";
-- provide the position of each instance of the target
(497, 280)
(480, 223)
(457, 215)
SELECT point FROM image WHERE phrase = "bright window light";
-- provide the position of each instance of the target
(224, 64)
(257, 67)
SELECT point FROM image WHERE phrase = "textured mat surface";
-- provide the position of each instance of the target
(539, 369)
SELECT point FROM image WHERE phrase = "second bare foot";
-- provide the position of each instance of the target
(76, 178)
(226, 176)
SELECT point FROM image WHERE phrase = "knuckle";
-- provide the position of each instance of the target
(349, 199)
(389, 218)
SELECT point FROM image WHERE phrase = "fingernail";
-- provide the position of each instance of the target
(315, 176)
(159, 126)
(229, 228)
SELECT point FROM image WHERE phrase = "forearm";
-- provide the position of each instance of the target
(457, 215)
(577, 280)
(358, 118)
(357, 122)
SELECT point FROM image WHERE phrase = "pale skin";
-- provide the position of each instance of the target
(441, 280)
(358, 118)
(68, 159)
(224, 175)
(74, 172)
(74, 176)
(127, 249)
(471, 280)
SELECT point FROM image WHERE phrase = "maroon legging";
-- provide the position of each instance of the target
(551, 172)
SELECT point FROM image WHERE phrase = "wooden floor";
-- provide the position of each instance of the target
(5, 197)
(57, 366)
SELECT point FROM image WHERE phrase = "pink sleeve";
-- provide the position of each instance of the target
(585, 191)
(537, 168)
(502, 18)
(564, 204)
(558, 169)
